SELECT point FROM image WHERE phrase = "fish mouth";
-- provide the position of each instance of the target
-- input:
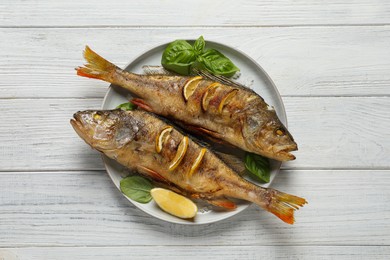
(75, 121)
(286, 156)
(283, 152)
(77, 125)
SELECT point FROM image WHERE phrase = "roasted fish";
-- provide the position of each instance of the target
(234, 114)
(142, 142)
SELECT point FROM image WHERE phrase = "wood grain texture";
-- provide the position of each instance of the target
(337, 132)
(36, 134)
(199, 13)
(304, 61)
(330, 60)
(86, 209)
(189, 252)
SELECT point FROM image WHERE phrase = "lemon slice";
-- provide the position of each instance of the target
(226, 99)
(197, 161)
(174, 203)
(206, 98)
(190, 86)
(162, 137)
(181, 151)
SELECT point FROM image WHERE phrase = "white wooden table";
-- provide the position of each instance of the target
(329, 59)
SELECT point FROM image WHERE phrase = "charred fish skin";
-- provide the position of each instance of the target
(130, 137)
(234, 114)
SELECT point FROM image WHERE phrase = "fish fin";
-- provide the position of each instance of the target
(207, 132)
(221, 79)
(160, 181)
(151, 173)
(283, 205)
(97, 67)
(223, 203)
(233, 161)
(170, 186)
(142, 104)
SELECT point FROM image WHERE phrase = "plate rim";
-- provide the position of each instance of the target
(278, 96)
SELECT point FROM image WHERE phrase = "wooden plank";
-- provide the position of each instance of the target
(188, 252)
(36, 134)
(203, 13)
(332, 132)
(304, 61)
(86, 209)
(339, 132)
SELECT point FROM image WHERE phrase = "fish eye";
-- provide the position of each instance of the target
(97, 117)
(279, 132)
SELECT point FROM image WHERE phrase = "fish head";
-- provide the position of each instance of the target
(267, 136)
(102, 129)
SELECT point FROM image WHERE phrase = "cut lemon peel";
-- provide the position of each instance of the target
(190, 87)
(205, 98)
(162, 137)
(226, 99)
(181, 151)
(197, 161)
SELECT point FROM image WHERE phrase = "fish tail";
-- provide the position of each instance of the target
(97, 67)
(281, 204)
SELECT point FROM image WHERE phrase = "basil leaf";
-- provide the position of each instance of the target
(217, 63)
(137, 188)
(127, 106)
(258, 166)
(199, 45)
(178, 57)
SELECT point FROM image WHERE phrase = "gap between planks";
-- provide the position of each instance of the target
(191, 27)
(283, 96)
(189, 246)
(77, 171)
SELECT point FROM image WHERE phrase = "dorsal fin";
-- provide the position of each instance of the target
(223, 203)
(220, 79)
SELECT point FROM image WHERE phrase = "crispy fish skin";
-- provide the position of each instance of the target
(129, 137)
(235, 115)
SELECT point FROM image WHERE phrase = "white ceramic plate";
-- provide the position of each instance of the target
(252, 75)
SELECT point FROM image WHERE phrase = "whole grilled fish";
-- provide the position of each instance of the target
(144, 143)
(234, 114)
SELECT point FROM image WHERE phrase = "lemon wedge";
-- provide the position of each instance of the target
(226, 99)
(181, 151)
(174, 203)
(190, 86)
(197, 161)
(162, 137)
(206, 95)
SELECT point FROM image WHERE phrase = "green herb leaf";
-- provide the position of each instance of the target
(199, 45)
(217, 63)
(127, 106)
(178, 57)
(137, 188)
(181, 57)
(258, 166)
